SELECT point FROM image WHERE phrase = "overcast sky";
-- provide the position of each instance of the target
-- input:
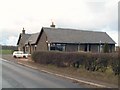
(95, 15)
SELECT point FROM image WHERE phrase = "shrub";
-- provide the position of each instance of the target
(106, 48)
(91, 61)
(115, 63)
(102, 62)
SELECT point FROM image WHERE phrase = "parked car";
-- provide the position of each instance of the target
(20, 54)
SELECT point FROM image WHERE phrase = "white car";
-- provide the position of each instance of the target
(20, 54)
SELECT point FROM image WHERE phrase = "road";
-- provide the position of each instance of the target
(17, 76)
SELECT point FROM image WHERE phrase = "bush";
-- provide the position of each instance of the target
(58, 58)
(115, 63)
(106, 48)
(91, 61)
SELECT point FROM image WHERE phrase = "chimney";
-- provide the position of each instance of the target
(23, 31)
(52, 25)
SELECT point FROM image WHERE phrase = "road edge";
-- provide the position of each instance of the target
(67, 77)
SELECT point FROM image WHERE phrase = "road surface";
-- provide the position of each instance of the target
(17, 76)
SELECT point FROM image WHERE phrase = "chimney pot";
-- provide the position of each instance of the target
(52, 25)
(23, 31)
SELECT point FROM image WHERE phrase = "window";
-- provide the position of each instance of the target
(89, 47)
(85, 49)
(59, 47)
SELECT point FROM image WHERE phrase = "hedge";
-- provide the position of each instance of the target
(90, 61)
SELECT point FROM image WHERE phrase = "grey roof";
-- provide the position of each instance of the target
(32, 39)
(23, 38)
(61, 35)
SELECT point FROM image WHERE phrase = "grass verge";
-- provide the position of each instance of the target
(97, 77)
(81, 72)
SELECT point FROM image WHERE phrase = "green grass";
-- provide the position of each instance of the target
(6, 51)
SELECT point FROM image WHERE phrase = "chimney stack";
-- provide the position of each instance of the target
(52, 25)
(23, 31)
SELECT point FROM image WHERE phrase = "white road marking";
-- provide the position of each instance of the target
(78, 80)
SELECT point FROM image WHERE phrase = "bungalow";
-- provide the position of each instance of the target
(61, 39)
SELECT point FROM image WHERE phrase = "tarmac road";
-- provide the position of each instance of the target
(17, 76)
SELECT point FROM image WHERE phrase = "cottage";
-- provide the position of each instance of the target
(68, 40)
(22, 39)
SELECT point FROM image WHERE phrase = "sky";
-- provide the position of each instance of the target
(93, 15)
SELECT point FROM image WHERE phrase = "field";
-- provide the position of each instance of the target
(6, 51)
